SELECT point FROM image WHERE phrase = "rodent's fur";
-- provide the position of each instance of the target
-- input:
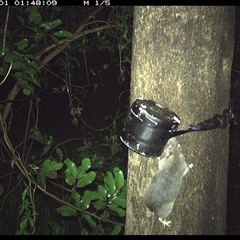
(162, 191)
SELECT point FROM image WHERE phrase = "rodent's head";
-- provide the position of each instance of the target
(172, 148)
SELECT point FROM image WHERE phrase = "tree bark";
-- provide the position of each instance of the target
(182, 59)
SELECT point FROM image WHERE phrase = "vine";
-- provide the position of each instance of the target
(89, 187)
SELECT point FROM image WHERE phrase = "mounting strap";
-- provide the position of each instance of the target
(217, 121)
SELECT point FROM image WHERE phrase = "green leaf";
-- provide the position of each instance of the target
(22, 44)
(49, 168)
(51, 165)
(86, 200)
(99, 205)
(21, 209)
(86, 179)
(123, 20)
(17, 54)
(37, 135)
(35, 81)
(34, 16)
(29, 57)
(22, 76)
(11, 57)
(110, 182)
(77, 198)
(120, 201)
(22, 232)
(18, 65)
(94, 195)
(85, 165)
(116, 230)
(42, 139)
(24, 194)
(122, 194)
(26, 91)
(41, 179)
(23, 224)
(84, 231)
(35, 30)
(55, 40)
(59, 154)
(105, 215)
(102, 193)
(63, 34)
(20, 19)
(115, 208)
(90, 221)
(33, 65)
(39, 36)
(31, 76)
(56, 229)
(119, 178)
(37, 19)
(48, 145)
(48, 26)
(70, 172)
(66, 211)
(31, 222)
(22, 81)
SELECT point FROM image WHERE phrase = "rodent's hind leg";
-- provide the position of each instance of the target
(164, 222)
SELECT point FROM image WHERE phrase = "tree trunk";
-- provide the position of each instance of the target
(182, 59)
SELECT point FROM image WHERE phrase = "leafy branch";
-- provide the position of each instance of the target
(24, 58)
(57, 49)
(72, 174)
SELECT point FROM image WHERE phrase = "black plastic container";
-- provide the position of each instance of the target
(148, 127)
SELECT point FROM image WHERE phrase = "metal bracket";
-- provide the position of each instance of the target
(217, 121)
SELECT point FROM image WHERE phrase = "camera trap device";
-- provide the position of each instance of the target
(149, 126)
